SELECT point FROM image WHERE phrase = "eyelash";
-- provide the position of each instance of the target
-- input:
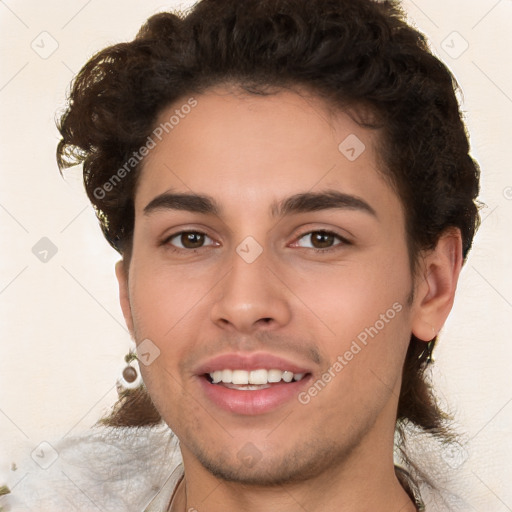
(167, 240)
(342, 241)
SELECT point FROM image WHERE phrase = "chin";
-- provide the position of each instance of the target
(251, 467)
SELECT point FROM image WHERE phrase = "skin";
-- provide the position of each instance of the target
(248, 153)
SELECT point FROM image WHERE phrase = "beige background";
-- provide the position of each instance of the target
(62, 334)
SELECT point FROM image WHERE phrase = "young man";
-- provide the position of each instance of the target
(289, 186)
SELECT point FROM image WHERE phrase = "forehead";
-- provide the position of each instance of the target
(250, 150)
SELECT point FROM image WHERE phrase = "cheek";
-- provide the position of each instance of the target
(362, 327)
(352, 296)
(164, 299)
(360, 316)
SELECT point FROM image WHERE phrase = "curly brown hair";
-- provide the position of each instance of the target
(355, 53)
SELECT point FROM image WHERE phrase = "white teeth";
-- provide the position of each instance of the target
(226, 375)
(240, 377)
(287, 376)
(248, 387)
(258, 377)
(274, 375)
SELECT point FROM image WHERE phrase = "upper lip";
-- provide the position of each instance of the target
(250, 361)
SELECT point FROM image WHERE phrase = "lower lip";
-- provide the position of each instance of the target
(253, 402)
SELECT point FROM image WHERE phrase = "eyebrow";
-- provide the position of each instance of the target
(316, 201)
(195, 203)
(298, 203)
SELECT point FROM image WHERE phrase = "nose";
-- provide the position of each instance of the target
(251, 298)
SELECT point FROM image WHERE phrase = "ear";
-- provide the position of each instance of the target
(124, 297)
(436, 283)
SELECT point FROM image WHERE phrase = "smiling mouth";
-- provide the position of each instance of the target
(252, 380)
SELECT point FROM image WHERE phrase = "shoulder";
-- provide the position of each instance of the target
(107, 469)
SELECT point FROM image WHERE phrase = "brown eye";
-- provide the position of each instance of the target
(190, 240)
(320, 240)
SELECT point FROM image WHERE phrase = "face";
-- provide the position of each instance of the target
(263, 252)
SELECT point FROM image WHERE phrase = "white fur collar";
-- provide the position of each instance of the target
(104, 470)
